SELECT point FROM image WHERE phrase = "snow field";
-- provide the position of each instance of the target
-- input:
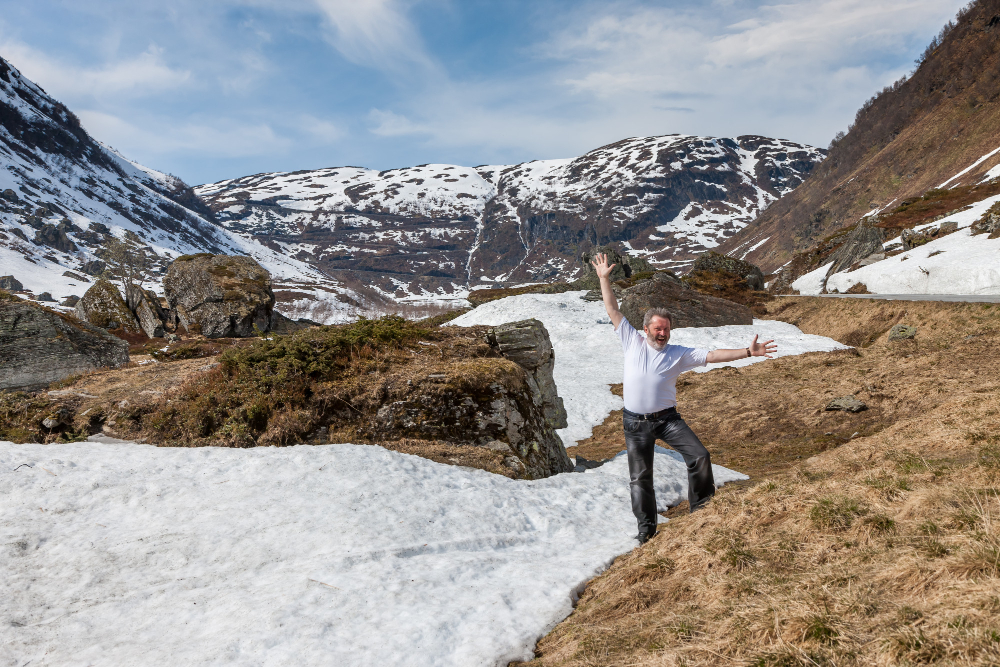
(121, 554)
(958, 263)
(589, 356)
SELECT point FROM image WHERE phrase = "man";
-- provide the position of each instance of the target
(650, 392)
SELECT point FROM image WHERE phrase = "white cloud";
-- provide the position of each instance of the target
(389, 124)
(219, 139)
(319, 129)
(136, 75)
(375, 33)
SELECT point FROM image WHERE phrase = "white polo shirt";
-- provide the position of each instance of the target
(650, 375)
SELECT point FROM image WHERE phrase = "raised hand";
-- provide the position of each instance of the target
(765, 349)
(600, 264)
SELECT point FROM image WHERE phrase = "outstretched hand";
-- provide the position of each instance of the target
(600, 264)
(765, 349)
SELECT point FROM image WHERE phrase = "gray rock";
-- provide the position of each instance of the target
(865, 240)
(45, 296)
(625, 266)
(94, 267)
(713, 262)
(147, 310)
(39, 346)
(9, 195)
(846, 404)
(75, 276)
(688, 307)
(53, 237)
(902, 332)
(102, 305)
(508, 404)
(11, 284)
(220, 295)
(70, 301)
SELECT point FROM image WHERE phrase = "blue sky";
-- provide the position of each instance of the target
(217, 89)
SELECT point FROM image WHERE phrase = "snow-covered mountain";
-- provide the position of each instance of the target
(434, 230)
(62, 194)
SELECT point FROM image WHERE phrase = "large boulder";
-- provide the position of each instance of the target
(39, 346)
(11, 284)
(626, 266)
(864, 241)
(713, 262)
(147, 309)
(102, 305)
(506, 402)
(688, 307)
(527, 344)
(220, 295)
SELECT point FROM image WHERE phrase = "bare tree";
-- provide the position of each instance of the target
(127, 261)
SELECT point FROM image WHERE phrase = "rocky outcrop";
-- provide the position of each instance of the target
(54, 237)
(147, 310)
(506, 402)
(713, 262)
(527, 344)
(39, 346)
(688, 308)
(988, 224)
(625, 266)
(864, 241)
(219, 295)
(11, 284)
(913, 239)
(102, 305)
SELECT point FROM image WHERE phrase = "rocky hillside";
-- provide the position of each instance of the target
(936, 129)
(63, 195)
(435, 230)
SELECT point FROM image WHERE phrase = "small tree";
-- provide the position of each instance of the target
(128, 263)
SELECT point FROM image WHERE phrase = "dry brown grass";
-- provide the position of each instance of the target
(883, 549)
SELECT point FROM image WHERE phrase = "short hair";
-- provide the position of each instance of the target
(657, 312)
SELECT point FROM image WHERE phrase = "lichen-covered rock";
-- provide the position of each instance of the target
(102, 305)
(39, 346)
(863, 241)
(11, 284)
(713, 262)
(220, 295)
(147, 310)
(506, 402)
(902, 332)
(688, 308)
(625, 266)
(846, 404)
(527, 344)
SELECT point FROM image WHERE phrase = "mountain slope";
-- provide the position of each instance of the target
(432, 230)
(62, 195)
(938, 128)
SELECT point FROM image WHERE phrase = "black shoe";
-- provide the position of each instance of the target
(644, 537)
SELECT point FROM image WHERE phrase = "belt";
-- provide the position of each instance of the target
(669, 413)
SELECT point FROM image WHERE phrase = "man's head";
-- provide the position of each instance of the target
(656, 323)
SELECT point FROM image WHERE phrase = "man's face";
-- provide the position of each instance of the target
(657, 332)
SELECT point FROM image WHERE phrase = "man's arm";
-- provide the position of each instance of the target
(756, 349)
(600, 264)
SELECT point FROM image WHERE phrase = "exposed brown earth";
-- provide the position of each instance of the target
(904, 142)
(881, 548)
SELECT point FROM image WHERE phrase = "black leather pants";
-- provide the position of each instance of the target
(640, 436)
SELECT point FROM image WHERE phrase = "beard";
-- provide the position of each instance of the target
(657, 345)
